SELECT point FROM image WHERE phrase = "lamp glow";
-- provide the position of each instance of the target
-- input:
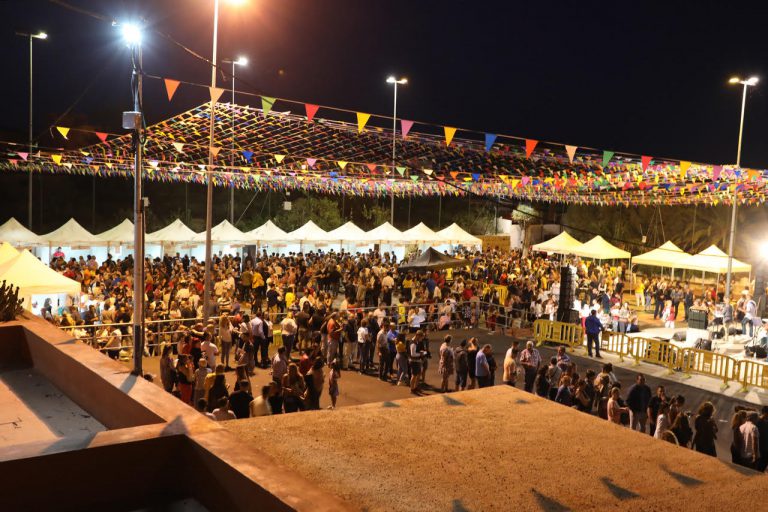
(40, 35)
(734, 80)
(241, 61)
(131, 34)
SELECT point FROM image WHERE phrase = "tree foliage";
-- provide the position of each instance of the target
(321, 210)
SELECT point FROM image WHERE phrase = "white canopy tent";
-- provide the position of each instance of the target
(306, 238)
(388, 238)
(422, 235)
(225, 239)
(73, 239)
(268, 237)
(561, 244)
(7, 252)
(455, 235)
(667, 255)
(174, 236)
(713, 260)
(17, 235)
(349, 237)
(119, 239)
(599, 249)
(36, 281)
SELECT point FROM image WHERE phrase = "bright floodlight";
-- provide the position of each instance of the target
(753, 80)
(241, 61)
(236, 2)
(393, 80)
(734, 80)
(131, 34)
(40, 35)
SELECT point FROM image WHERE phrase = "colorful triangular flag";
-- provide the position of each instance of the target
(342, 163)
(490, 138)
(216, 93)
(267, 103)
(607, 155)
(311, 111)
(247, 154)
(684, 169)
(215, 151)
(571, 150)
(56, 158)
(449, 133)
(311, 162)
(530, 145)
(405, 127)
(362, 119)
(646, 160)
(170, 87)
(102, 136)
(179, 146)
(23, 156)
(63, 131)
(279, 158)
(401, 170)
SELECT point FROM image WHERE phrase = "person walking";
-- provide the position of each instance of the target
(750, 445)
(462, 365)
(530, 359)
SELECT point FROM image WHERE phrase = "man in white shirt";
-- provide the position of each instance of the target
(380, 313)
(362, 337)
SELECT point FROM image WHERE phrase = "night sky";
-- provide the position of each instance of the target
(651, 79)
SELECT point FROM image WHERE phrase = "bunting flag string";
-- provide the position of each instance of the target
(267, 103)
(530, 145)
(449, 133)
(63, 131)
(490, 138)
(362, 119)
(571, 151)
(405, 127)
(216, 93)
(311, 111)
(170, 87)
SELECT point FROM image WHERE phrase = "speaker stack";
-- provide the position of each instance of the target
(565, 311)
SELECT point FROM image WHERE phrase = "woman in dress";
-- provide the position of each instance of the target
(446, 366)
(185, 371)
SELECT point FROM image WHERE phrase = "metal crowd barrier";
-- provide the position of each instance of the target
(650, 350)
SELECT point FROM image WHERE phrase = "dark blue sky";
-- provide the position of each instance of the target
(646, 78)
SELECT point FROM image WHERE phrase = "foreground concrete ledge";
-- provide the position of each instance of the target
(494, 449)
(149, 432)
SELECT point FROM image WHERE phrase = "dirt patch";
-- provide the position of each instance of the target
(493, 449)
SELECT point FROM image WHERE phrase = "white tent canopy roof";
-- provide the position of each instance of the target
(561, 244)
(7, 252)
(713, 260)
(667, 255)
(72, 234)
(421, 233)
(120, 234)
(222, 233)
(386, 233)
(454, 234)
(267, 232)
(348, 232)
(175, 232)
(599, 249)
(309, 232)
(35, 278)
(15, 233)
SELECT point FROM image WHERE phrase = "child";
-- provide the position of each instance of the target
(333, 383)
(668, 315)
(200, 374)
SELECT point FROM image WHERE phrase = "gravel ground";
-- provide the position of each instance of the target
(493, 449)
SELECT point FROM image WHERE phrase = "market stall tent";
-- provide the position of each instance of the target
(599, 249)
(119, 235)
(384, 234)
(421, 234)
(266, 233)
(175, 237)
(349, 237)
(13, 232)
(667, 255)
(7, 252)
(713, 260)
(73, 239)
(36, 280)
(561, 244)
(308, 237)
(454, 234)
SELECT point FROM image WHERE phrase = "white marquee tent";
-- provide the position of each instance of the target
(713, 260)
(349, 237)
(384, 234)
(223, 233)
(35, 279)
(7, 252)
(599, 249)
(74, 241)
(267, 233)
(561, 244)
(454, 234)
(307, 236)
(17, 235)
(174, 233)
(421, 234)
(667, 255)
(119, 235)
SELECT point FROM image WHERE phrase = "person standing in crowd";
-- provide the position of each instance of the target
(615, 410)
(416, 357)
(553, 373)
(446, 364)
(654, 406)
(510, 368)
(530, 359)
(294, 389)
(240, 399)
(382, 346)
(706, 430)
(461, 360)
(472, 350)
(593, 328)
(482, 369)
(334, 375)
(737, 439)
(638, 399)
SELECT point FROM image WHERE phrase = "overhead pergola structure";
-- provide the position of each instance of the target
(259, 150)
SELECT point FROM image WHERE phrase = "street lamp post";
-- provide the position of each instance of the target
(728, 278)
(241, 61)
(42, 36)
(395, 82)
(209, 188)
(134, 120)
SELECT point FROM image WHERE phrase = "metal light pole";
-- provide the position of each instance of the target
(40, 35)
(241, 61)
(395, 82)
(134, 120)
(728, 278)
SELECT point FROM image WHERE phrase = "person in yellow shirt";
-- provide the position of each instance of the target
(290, 298)
(640, 293)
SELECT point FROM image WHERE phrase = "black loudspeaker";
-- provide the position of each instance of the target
(760, 289)
(697, 318)
(565, 312)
